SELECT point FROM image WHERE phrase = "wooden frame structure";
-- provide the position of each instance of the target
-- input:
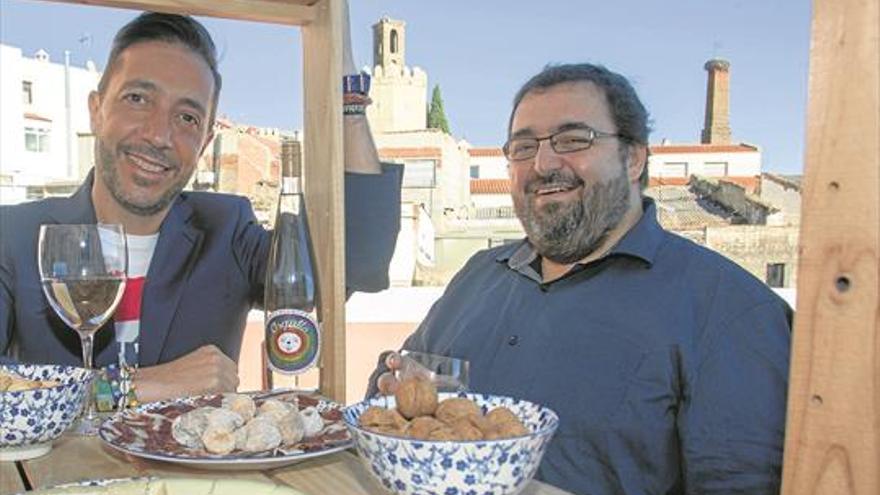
(833, 431)
(321, 24)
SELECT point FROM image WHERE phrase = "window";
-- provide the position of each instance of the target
(475, 171)
(27, 92)
(419, 173)
(776, 274)
(674, 169)
(36, 139)
(715, 169)
(393, 41)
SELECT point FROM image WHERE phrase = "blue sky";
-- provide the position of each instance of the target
(480, 51)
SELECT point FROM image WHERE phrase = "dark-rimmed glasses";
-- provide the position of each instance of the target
(565, 141)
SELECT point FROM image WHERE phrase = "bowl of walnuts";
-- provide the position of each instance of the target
(419, 442)
(38, 402)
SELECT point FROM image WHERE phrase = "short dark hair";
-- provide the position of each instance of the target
(170, 28)
(627, 110)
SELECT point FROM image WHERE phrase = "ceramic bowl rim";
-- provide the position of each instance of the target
(547, 429)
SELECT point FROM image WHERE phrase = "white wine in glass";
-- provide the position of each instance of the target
(82, 271)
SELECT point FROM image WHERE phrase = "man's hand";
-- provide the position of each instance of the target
(206, 370)
(399, 368)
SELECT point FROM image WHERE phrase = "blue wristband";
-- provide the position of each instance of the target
(356, 83)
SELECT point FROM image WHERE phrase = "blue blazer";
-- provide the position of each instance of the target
(205, 275)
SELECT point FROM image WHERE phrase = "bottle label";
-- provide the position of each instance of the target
(293, 341)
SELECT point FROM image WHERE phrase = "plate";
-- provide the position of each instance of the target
(167, 486)
(145, 432)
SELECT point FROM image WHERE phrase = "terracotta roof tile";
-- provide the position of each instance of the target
(702, 148)
(33, 116)
(426, 152)
(490, 186)
(485, 152)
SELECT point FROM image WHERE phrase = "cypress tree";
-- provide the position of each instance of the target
(436, 115)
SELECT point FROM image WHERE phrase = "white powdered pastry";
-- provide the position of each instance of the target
(292, 427)
(240, 403)
(219, 440)
(262, 434)
(275, 409)
(312, 421)
(187, 428)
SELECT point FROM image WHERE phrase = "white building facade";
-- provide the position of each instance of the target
(44, 122)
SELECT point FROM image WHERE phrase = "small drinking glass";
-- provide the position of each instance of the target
(449, 374)
(82, 272)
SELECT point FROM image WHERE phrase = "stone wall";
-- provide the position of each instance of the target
(754, 247)
(783, 194)
(748, 208)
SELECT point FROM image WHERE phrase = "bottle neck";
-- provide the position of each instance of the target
(291, 185)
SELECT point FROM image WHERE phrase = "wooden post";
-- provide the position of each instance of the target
(321, 22)
(322, 73)
(832, 443)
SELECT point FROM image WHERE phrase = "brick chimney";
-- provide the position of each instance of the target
(717, 127)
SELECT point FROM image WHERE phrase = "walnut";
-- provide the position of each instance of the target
(416, 397)
(388, 430)
(454, 408)
(444, 433)
(501, 422)
(464, 429)
(422, 427)
(379, 417)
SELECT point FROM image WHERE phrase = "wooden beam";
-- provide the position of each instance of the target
(289, 12)
(832, 443)
(322, 73)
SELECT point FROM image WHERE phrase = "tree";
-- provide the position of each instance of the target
(436, 115)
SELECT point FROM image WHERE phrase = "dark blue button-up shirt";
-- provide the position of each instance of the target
(666, 362)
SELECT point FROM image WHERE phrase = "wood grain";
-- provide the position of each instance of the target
(10, 481)
(322, 158)
(85, 458)
(289, 12)
(833, 434)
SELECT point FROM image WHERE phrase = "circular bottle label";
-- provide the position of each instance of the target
(293, 341)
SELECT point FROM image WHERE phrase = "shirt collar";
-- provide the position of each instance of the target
(642, 241)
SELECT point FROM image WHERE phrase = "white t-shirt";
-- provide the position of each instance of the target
(128, 314)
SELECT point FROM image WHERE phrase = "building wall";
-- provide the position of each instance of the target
(399, 97)
(490, 167)
(783, 195)
(739, 164)
(755, 246)
(47, 111)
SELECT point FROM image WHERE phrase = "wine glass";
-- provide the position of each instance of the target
(82, 271)
(449, 374)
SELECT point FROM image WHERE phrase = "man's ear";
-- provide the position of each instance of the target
(94, 111)
(637, 161)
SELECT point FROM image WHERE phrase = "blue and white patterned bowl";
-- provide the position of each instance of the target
(31, 419)
(420, 467)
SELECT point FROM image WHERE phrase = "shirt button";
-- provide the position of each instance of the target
(513, 340)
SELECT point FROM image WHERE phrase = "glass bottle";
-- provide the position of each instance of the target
(292, 331)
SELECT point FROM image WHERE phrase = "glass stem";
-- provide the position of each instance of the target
(88, 341)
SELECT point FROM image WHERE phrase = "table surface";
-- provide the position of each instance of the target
(75, 458)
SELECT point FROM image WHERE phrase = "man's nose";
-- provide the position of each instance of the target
(157, 129)
(546, 159)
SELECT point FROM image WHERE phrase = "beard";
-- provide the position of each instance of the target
(133, 203)
(566, 232)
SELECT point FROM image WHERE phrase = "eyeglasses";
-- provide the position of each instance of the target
(564, 141)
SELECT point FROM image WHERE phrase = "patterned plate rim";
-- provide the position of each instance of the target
(223, 461)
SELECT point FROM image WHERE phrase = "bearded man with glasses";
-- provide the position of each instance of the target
(666, 362)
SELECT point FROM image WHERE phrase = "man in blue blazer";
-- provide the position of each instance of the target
(205, 255)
